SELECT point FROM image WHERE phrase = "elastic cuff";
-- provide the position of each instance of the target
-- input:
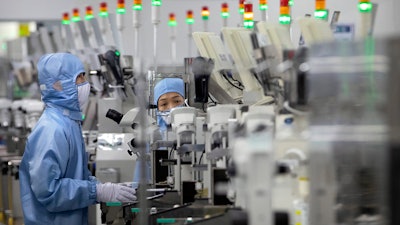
(92, 189)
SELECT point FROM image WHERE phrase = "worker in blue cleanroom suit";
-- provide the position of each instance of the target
(168, 94)
(56, 185)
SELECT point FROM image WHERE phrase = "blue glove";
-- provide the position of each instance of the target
(110, 192)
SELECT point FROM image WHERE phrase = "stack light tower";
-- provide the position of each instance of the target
(75, 28)
(225, 13)
(76, 15)
(365, 7)
(320, 10)
(103, 14)
(137, 8)
(263, 6)
(155, 17)
(88, 17)
(67, 29)
(121, 25)
(105, 28)
(120, 14)
(189, 22)
(241, 11)
(89, 13)
(205, 14)
(284, 13)
(172, 24)
(65, 19)
(248, 16)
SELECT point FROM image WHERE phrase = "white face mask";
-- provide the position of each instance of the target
(83, 94)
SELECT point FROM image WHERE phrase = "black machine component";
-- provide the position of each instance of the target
(202, 68)
(113, 72)
(114, 115)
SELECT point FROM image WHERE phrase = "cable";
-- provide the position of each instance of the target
(230, 82)
(170, 153)
(293, 110)
(212, 100)
(169, 157)
(201, 157)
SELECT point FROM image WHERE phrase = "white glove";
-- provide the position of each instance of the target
(110, 192)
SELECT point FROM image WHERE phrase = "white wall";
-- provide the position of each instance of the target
(387, 21)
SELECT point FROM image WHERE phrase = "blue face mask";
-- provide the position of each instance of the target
(164, 117)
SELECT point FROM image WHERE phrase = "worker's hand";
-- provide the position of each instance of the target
(110, 192)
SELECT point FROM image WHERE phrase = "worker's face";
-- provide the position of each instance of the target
(169, 100)
(81, 79)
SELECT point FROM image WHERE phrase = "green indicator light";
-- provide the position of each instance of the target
(166, 220)
(83, 116)
(103, 14)
(172, 23)
(263, 7)
(156, 2)
(365, 7)
(224, 14)
(290, 2)
(121, 11)
(76, 19)
(113, 203)
(248, 24)
(204, 17)
(135, 210)
(321, 14)
(137, 7)
(89, 17)
(284, 19)
(65, 22)
(117, 53)
(241, 11)
(190, 21)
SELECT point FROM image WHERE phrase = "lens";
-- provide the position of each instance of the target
(114, 115)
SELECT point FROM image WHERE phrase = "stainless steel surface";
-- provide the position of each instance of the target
(349, 139)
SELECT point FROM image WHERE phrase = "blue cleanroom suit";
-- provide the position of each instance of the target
(56, 185)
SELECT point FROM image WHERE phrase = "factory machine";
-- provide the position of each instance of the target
(273, 134)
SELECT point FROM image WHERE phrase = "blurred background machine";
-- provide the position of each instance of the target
(279, 128)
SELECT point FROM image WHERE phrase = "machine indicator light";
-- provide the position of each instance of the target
(156, 2)
(137, 5)
(284, 16)
(65, 19)
(321, 14)
(364, 6)
(121, 7)
(103, 10)
(248, 16)
(205, 13)
(263, 5)
(189, 17)
(224, 10)
(89, 13)
(241, 6)
(172, 20)
(75, 15)
(320, 10)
